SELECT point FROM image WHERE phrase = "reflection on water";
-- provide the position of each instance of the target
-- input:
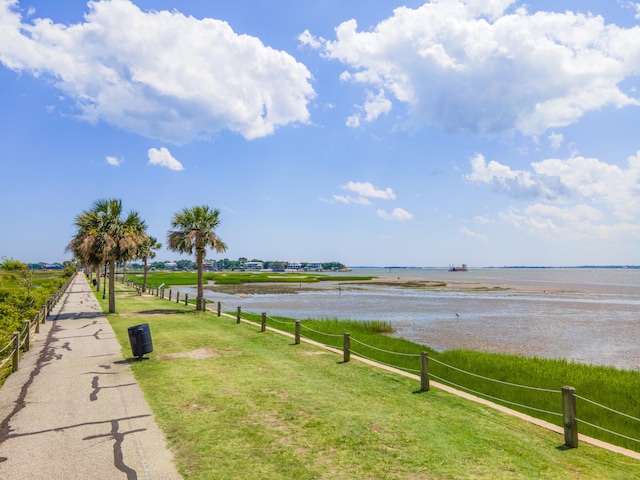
(589, 316)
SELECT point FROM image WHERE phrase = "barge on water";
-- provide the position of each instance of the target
(453, 268)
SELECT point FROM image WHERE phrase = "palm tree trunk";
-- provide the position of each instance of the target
(144, 280)
(97, 272)
(200, 298)
(112, 286)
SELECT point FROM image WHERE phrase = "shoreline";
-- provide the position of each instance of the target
(582, 318)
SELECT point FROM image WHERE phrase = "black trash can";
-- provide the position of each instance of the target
(140, 339)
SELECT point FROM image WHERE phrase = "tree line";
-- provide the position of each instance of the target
(227, 264)
(107, 236)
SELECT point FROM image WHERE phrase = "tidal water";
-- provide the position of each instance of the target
(584, 315)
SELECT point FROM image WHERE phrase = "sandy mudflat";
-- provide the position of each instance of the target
(272, 288)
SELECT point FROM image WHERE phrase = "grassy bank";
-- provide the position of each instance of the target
(530, 385)
(237, 403)
(158, 278)
(22, 294)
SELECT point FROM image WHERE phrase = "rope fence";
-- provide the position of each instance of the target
(570, 418)
(611, 432)
(496, 381)
(475, 392)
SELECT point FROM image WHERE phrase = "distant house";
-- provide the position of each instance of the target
(314, 267)
(293, 267)
(170, 265)
(254, 266)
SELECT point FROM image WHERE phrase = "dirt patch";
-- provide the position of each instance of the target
(194, 354)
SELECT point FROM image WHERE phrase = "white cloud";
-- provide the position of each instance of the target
(502, 178)
(584, 196)
(160, 74)
(350, 199)
(478, 236)
(114, 161)
(555, 139)
(375, 106)
(305, 38)
(366, 189)
(163, 158)
(481, 219)
(398, 214)
(577, 222)
(477, 67)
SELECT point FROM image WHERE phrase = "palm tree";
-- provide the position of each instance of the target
(145, 252)
(193, 229)
(104, 237)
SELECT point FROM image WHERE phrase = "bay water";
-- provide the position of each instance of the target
(587, 315)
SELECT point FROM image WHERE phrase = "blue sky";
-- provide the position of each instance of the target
(486, 132)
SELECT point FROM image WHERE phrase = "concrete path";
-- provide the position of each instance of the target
(73, 410)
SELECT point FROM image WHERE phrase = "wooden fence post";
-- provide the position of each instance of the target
(238, 314)
(219, 308)
(263, 326)
(27, 339)
(170, 292)
(424, 372)
(569, 415)
(297, 332)
(178, 296)
(16, 352)
(36, 320)
(346, 354)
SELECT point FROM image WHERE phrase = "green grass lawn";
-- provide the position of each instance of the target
(608, 386)
(157, 278)
(237, 403)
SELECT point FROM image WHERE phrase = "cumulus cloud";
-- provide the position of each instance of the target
(163, 158)
(576, 222)
(115, 161)
(366, 189)
(555, 140)
(375, 106)
(485, 66)
(478, 236)
(517, 183)
(350, 199)
(584, 196)
(160, 74)
(398, 214)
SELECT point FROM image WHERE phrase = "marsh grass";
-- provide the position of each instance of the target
(157, 278)
(607, 386)
(260, 407)
(22, 295)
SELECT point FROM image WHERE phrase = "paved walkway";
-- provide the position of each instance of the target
(73, 410)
